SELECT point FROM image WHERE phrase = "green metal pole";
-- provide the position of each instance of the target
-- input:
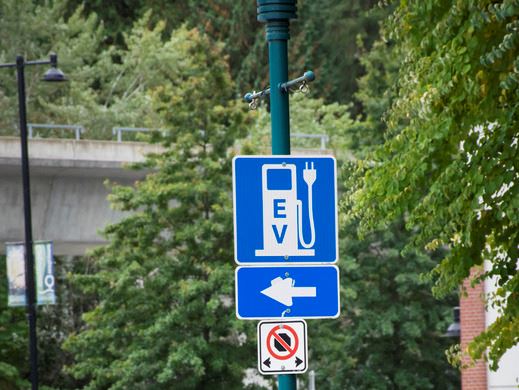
(287, 382)
(278, 66)
(277, 13)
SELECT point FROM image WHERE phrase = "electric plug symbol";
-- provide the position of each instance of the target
(309, 174)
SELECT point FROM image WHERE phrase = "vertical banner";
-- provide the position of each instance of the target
(15, 274)
(44, 273)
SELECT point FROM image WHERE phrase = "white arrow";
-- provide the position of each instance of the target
(283, 290)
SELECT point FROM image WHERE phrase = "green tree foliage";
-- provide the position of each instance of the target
(308, 116)
(396, 323)
(376, 93)
(107, 84)
(14, 360)
(34, 31)
(224, 21)
(165, 317)
(54, 322)
(120, 82)
(119, 16)
(389, 335)
(449, 160)
(323, 38)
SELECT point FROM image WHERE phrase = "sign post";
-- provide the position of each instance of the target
(277, 13)
(285, 247)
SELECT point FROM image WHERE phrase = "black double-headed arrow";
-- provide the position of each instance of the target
(267, 362)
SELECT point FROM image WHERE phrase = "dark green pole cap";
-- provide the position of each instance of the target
(269, 10)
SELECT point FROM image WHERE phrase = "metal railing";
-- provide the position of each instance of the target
(323, 137)
(118, 132)
(78, 129)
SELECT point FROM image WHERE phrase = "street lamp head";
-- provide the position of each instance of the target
(454, 329)
(54, 74)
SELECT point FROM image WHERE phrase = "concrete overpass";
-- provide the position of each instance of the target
(68, 191)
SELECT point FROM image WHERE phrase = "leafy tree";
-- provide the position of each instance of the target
(449, 160)
(165, 317)
(376, 93)
(119, 16)
(394, 323)
(323, 37)
(56, 322)
(35, 30)
(389, 334)
(119, 82)
(308, 115)
(223, 20)
(107, 84)
(14, 360)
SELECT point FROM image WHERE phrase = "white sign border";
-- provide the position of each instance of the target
(337, 315)
(305, 359)
(288, 261)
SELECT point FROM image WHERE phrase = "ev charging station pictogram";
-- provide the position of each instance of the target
(285, 209)
(282, 347)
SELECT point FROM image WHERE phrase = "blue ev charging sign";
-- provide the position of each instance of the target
(285, 209)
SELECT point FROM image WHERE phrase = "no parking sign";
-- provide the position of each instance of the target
(282, 347)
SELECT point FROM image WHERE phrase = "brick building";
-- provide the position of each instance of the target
(473, 320)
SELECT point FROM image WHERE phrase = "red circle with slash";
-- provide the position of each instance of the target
(274, 334)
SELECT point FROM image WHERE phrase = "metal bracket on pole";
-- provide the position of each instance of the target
(302, 81)
(253, 98)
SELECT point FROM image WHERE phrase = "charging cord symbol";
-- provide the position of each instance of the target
(309, 176)
(283, 212)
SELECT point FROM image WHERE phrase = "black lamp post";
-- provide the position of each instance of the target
(52, 75)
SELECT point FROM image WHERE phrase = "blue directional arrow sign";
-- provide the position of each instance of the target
(288, 291)
(285, 209)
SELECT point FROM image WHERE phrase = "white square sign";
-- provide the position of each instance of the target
(282, 347)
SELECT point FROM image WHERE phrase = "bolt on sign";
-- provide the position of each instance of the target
(282, 347)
